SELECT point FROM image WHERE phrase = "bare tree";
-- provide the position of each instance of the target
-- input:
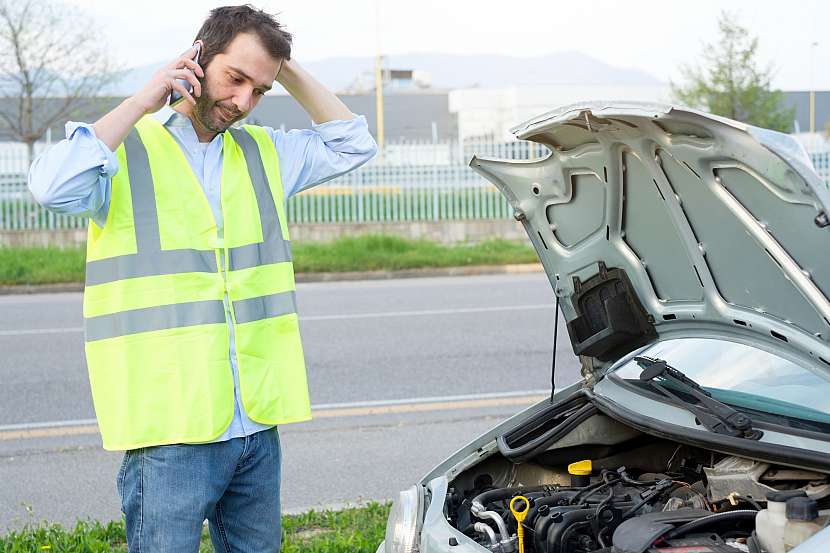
(53, 63)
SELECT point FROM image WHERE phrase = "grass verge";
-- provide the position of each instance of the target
(354, 530)
(41, 265)
(360, 253)
(375, 253)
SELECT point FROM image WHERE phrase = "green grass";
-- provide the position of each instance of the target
(370, 253)
(354, 530)
(41, 265)
(361, 253)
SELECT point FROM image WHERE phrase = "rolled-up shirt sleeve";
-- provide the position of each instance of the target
(312, 156)
(74, 176)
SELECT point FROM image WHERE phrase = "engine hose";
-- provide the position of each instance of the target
(536, 496)
(600, 539)
(495, 517)
(743, 514)
(500, 494)
(633, 509)
(482, 528)
(596, 490)
(589, 490)
(605, 501)
(628, 480)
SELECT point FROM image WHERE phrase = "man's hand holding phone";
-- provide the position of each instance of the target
(176, 80)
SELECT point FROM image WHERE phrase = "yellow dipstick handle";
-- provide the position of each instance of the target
(520, 513)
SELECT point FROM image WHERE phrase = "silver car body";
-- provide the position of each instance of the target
(721, 229)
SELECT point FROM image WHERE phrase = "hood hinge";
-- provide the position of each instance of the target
(589, 370)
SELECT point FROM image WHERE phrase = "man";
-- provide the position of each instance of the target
(191, 332)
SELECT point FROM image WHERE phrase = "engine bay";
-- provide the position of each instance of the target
(582, 482)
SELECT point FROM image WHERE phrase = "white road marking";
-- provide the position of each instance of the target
(430, 399)
(49, 429)
(423, 312)
(33, 331)
(312, 318)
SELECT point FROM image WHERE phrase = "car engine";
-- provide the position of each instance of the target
(600, 486)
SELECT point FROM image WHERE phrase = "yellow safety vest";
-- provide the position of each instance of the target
(157, 338)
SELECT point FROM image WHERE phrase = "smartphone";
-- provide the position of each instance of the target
(175, 96)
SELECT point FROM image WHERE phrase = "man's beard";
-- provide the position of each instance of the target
(205, 112)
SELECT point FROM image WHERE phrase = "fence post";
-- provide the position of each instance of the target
(420, 181)
(360, 196)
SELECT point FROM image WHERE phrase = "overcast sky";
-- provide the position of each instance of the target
(656, 36)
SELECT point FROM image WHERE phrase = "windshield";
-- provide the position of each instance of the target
(743, 376)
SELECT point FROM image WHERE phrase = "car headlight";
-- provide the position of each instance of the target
(402, 526)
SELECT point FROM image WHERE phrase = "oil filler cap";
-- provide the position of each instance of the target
(580, 473)
(581, 468)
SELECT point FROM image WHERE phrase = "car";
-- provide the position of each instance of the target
(689, 256)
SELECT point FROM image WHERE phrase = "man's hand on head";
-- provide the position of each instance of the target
(287, 70)
(320, 103)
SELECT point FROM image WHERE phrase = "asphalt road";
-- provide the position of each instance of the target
(401, 374)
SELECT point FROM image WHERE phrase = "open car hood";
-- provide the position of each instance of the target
(654, 221)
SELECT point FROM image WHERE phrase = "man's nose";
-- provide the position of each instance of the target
(243, 100)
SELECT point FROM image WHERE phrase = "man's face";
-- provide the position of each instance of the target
(234, 82)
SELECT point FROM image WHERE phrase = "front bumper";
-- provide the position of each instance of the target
(435, 532)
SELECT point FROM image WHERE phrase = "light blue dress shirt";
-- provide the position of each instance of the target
(75, 176)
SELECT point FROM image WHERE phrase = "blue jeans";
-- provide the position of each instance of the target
(167, 492)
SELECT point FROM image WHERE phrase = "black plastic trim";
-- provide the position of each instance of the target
(538, 445)
(610, 320)
(766, 425)
(763, 451)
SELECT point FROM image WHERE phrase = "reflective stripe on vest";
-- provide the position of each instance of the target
(150, 259)
(161, 317)
(273, 248)
(157, 336)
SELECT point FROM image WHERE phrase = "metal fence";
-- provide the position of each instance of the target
(821, 162)
(415, 181)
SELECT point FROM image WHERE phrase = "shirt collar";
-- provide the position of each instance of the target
(164, 115)
(171, 118)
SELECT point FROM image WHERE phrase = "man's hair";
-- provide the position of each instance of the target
(223, 24)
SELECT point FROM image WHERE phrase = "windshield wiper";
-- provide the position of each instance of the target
(711, 413)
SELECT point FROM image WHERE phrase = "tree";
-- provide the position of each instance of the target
(53, 64)
(732, 84)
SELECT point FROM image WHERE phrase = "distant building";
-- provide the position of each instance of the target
(413, 112)
(407, 116)
(394, 81)
(493, 111)
(421, 116)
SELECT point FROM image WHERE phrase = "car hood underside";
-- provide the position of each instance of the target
(654, 221)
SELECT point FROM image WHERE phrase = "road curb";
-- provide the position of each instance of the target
(41, 288)
(470, 270)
